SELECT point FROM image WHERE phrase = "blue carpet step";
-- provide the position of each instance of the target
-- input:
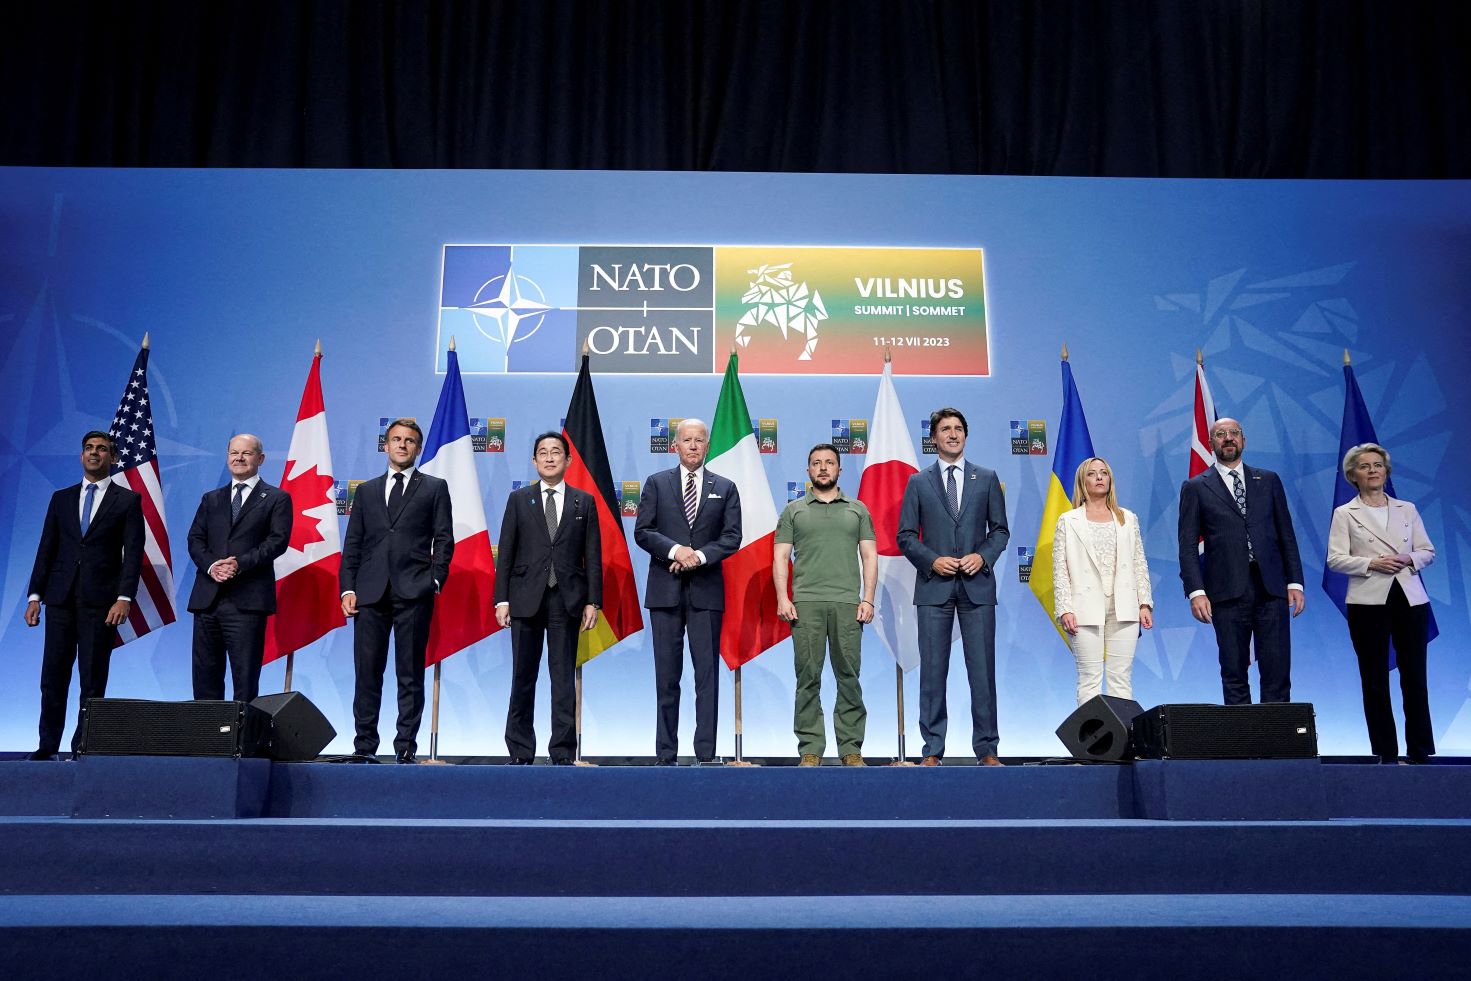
(731, 858)
(177, 787)
(1376, 936)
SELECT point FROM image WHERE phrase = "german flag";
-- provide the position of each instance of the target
(588, 470)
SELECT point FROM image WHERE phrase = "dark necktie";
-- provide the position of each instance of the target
(689, 499)
(396, 497)
(236, 503)
(1239, 491)
(551, 512)
(952, 493)
(87, 499)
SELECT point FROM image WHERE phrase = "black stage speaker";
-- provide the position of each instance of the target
(1099, 728)
(1277, 731)
(298, 729)
(135, 727)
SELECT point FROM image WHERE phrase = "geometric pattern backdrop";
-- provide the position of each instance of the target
(237, 273)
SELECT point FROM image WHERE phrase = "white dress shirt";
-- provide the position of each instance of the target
(684, 476)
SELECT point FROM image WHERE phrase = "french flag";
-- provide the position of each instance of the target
(464, 611)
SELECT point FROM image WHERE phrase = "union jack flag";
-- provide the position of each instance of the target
(136, 467)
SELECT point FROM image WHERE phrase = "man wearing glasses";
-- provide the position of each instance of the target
(1240, 567)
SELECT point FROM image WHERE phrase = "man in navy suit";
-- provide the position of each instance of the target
(86, 573)
(548, 583)
(689, 521)
(395, 558)
(952, 527)
(1249, 567)
(238, 533)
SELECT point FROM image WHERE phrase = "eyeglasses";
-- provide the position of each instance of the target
(1223, 433)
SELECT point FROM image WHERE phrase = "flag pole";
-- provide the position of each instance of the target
(902, 758)
(739, 760)
(577, 759)
(434, 708)
(434, 722)
(290, 657)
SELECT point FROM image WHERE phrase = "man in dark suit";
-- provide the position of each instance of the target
(86, 573)
(689, 520)
(395, 558)
(952, 528)
(1249, 566)
(548, 583)
(238, 533)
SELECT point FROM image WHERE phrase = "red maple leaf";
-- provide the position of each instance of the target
(308, 490)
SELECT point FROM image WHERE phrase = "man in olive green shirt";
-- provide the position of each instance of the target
(831, 533)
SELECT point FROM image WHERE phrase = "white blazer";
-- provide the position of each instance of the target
(1077, 584)
(1354, 538)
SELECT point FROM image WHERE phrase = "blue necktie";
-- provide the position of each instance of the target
(237, 502)
(952, 495)
(87, 500)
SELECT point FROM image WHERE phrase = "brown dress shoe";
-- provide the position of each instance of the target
(930, 761)
(810, 759)
(990, 760)
(854, 759)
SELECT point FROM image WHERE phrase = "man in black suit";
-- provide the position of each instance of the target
(86, 573)
(689, 520)
(238, 533)
(548, 582)
(1250, 573)
(395, 558)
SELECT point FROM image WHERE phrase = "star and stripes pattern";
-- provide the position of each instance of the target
(136, 466)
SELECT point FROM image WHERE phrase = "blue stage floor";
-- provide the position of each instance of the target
(183, 867)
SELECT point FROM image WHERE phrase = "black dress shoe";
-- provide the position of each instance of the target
(362, 758)
(561, 761)
(518, 761)
(704, 761)
(406, 757)
(41, 755)
(666, 761)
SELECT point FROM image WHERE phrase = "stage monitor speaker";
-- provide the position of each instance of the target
(1099, 728)
(136, 727)
(298, 729)
(1276, 731)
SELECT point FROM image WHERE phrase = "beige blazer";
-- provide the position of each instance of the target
(1077, 584)
(1354, 538)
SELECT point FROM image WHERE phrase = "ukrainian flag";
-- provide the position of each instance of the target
(1073, 446)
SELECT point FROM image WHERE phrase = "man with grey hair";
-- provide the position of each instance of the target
(239, 531)
(689, 521)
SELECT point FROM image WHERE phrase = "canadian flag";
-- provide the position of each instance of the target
(891, 462)
(464, 610)
(307, 603)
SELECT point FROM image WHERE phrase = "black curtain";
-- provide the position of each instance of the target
(1149, 88)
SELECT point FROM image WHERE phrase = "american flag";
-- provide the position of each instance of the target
(136, 466)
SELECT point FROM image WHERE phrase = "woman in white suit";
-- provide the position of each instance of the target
(1100, 582)
(1380, 544)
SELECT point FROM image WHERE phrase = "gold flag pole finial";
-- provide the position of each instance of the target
(451, 342)
(318, 351)
(1198, 358)
(145, 340)
(1064, 350)
(1346, 359)
(585, 347)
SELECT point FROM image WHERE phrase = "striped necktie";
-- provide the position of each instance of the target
(690, 501)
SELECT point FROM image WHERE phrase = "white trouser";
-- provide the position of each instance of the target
(1110, 645)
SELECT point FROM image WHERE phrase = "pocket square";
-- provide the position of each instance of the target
(714, 497)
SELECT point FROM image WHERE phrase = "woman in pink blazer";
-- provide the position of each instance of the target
(1100, 582)
(1380, 544)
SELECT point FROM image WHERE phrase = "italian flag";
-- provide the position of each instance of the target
(750, 624)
